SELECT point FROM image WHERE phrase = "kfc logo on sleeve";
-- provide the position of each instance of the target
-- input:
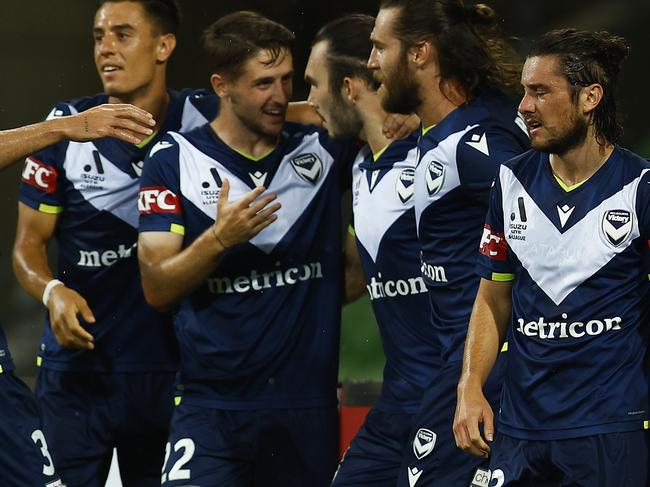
(39, 175)
(493, 244)
(158, 199)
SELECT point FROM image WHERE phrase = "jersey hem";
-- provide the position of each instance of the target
(569, 433)
(120, 368)
(259, 403)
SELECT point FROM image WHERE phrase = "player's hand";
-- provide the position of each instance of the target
(125, 122)
(472, 410)
(398, 126)
(239, 221)
(64, 304)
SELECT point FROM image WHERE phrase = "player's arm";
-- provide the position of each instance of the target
(125, 122)
(33, 271)
(170, 272)
(487, 329)
(355, 284)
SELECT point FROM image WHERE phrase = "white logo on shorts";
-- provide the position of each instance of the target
(423, 443)
(414, 475)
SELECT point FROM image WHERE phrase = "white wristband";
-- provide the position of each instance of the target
(48, 290)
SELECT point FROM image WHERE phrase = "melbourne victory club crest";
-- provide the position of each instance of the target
(308, 166)
(423, 443)
(435, 174)
(405, 184)
(617, 226)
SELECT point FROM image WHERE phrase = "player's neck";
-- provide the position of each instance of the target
(153, 98)
(235, 134)
(436, 104)
(373, 117)
(582, 162)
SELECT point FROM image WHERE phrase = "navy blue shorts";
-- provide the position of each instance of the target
(25, 460)
(608, 460)
(87, 414)
(375, 454)
(432, 458)
(284, 448)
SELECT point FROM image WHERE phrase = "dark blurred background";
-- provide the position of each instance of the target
(46, 54)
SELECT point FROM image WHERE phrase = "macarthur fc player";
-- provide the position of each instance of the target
(107, 359)
(448, 63)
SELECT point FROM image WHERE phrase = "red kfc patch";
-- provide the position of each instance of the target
(158, 199)
(493, 244)
(39, 175)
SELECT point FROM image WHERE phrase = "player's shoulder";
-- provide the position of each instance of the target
(196, 102)
(77, 105)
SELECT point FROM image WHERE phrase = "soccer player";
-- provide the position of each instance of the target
(107, 359)
(567, 231)
(344, 93)
(256, 288)
(448, 63)
(25, 459)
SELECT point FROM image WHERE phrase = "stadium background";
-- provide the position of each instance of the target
(46, 54)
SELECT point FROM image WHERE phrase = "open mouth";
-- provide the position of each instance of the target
(109, 68)
(533, 125)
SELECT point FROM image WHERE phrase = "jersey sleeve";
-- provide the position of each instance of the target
(43, 175)
(494, 258)
(159, 200)
(344, 154)
(479, 154)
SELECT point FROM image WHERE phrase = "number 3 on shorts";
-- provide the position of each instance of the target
(177, 472)
(39, 438)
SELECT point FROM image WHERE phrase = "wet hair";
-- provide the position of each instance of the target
(348, 49)
(165, 14)
(234, 39)
(585, 58)
(471, 49)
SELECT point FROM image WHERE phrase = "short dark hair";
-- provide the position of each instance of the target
(165, 14)
(348, 48)
(234, 39)
(471, 49)
(585, 58)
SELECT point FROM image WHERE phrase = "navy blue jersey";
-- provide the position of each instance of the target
(93, 186)
(580, 296)
(459, 158)
(263, 330)
(5, 357)
(389, 249)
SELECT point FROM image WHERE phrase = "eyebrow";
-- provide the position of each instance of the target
(309, 80)
(117, 27)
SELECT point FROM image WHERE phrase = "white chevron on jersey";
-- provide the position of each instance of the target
(579, 252)
(191, 117)
(293, 192)
(113, 191)
(445, 155)
(377, 210)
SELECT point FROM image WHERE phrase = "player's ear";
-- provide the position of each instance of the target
(421, 53)
(590, 97)
(219, 85)
(166, 45)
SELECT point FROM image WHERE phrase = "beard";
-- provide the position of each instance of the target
(345, 122)
(401, 91)
(571, 138)
(250, 118)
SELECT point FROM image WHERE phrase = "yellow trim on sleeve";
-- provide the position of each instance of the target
(648, 277)
(146, 141)
(39, 361)
(1, 369)
(501, 277)
(504, 348)
(176, 228)
(50, 209)
(177, 400)
(353, 232)
(646, 424)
